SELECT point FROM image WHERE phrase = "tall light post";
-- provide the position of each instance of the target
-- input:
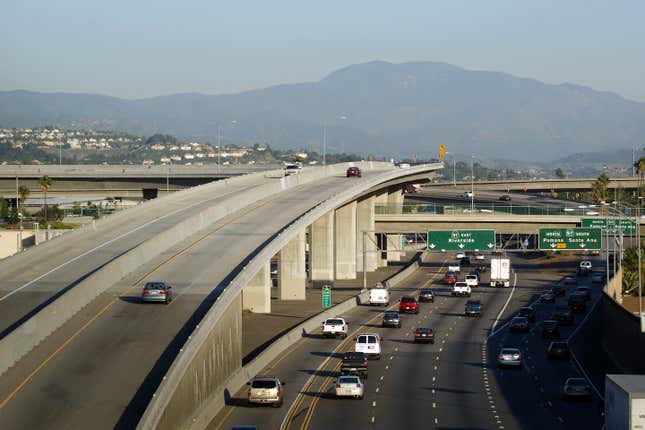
(454, 169)
(219, 147)
(472, 182)
(324, 160)
(60, 151)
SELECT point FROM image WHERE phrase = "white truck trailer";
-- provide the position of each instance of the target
(500, 272)
(624, 402)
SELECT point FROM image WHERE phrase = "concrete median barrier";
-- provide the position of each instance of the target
(26, 336)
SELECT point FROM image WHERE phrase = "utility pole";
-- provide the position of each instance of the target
(472, 182)
(633, 163)
(324, 145)
(219, 147)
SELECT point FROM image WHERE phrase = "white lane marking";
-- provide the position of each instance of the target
(372, 419)
(381, 378)
(434, 405)
(60, 266)
(492, 329)
(377, 389)
(436, 421)
(373, 403)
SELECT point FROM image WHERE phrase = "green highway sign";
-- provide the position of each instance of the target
(326, 297)
(460, 240)
(627, 225)
(570, 238)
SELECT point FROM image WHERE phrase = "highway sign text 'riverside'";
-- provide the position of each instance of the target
(570, 238)
(461, 240)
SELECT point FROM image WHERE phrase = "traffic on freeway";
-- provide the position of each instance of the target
(474, 373)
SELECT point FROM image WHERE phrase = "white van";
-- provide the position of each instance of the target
(369, 344)
(379, 296)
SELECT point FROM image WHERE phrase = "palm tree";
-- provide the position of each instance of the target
(23, 193)
(45, 183)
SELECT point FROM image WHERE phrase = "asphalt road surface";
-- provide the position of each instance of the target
(453, 384)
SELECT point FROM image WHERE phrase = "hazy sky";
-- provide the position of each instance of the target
(136, 48)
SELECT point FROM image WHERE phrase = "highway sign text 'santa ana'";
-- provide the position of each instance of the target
(627, 225)
(461, 240)
(570, 238)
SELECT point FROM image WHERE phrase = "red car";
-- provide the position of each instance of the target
(450, 278)
(409, 304)
(354, 171)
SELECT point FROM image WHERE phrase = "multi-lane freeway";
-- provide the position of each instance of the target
(102, 367)
(452, 384)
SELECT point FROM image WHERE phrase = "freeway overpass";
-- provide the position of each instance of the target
(539, 185)
(72, 324)
(125, 181)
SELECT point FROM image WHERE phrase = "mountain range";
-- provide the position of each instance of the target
(378, 107)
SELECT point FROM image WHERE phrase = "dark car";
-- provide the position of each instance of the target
(465, 261)
(550, 329)
(527, 312)
(481, 268)
(424, 335)
(391, 319)
(570, 280)
(505, 198)
(450, 278)
(519, 324)
(558, 350)
(354, 171)
(584, 291)
(547, 297)
(558, 290)
(473, 308)
(426, 296)
(577, 302)
(354, 363)
(409, 304)
(577, 388)
(563, 315)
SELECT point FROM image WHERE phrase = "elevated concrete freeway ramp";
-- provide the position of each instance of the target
(570, 184)
(100, 368)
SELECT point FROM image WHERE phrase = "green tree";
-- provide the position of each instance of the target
(559, 173)
(23, 193)
(45, 184)
(640, 169)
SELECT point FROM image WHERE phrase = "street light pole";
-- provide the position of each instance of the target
(219, 147)
(324, 145)
(364, 261)
(472, 182)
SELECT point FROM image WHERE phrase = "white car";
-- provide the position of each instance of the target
(454, 268)
(379, 296)
(292, 169)
(335, 327)
(369, 344)
(509, 357)
(404, 165)
(461, 289)
(480, 256)
(472, 280)
(349, 386)
(460, 255)
(469, 195)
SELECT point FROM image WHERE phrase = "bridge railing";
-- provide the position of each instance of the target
(478, 208)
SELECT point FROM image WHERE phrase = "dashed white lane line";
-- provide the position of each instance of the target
(436, 421)
(373, 403)
(381, 378)
(434, 405)
(373, 419)
(391, 357)
(377, 389)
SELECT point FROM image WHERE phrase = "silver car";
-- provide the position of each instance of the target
(156, 292)
(265, 390)
(349, 386)
(509, 357)
(577, 387)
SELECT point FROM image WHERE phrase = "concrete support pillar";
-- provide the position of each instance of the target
(256, 296)
(394, 242)
(379, 201)
(365, 223)
(321, 250)
(345, 241)
(291, 273)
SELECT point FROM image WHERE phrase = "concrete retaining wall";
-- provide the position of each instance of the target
(23, 339)
(186, 368)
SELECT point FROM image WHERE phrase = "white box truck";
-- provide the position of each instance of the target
(500, 272)
(624, 402)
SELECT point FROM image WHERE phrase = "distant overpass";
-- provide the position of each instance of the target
(126, 181)
(558, 185)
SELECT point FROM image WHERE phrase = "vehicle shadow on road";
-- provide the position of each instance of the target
(448, 390)
(323, 373)
(327, 354)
